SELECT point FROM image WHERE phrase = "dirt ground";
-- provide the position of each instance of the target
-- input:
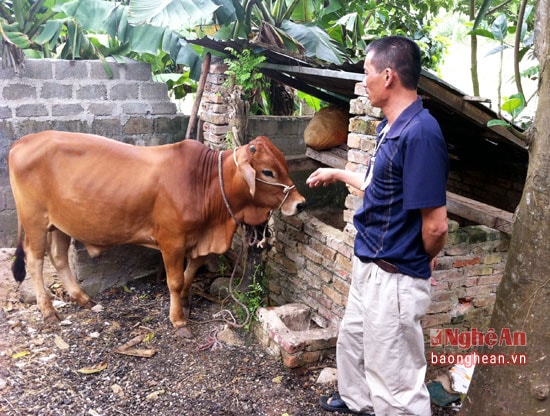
(74, 368)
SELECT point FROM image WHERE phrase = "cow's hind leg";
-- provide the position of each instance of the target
(59, 243)
(35, 250)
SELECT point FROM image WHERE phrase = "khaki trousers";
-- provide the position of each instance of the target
(380, 349)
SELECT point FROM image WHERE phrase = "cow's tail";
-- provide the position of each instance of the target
(18, 266)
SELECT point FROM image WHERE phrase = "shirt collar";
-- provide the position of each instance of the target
(402, 120)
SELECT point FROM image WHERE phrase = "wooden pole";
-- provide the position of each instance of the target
(200, 89)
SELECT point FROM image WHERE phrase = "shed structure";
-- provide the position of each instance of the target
(310, 262)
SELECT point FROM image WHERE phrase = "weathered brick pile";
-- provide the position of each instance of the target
(287, 331)
(214, 109)
(285, 131)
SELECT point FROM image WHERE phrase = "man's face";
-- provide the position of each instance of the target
(374, 82)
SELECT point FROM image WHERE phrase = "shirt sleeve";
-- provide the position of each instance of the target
(425, 166)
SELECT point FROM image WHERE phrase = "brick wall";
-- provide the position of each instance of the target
(466, 277)
(311, 261)
(500, 186)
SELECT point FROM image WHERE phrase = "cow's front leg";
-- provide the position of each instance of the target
(189, 275)
(173, 263)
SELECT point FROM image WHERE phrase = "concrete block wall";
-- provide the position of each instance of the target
(79, 96)
(310, 262)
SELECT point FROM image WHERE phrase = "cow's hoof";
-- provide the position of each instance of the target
(88, 305)
(52, 318)
(184, 332)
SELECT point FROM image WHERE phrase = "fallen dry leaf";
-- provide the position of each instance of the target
(62, 345)
(126, 348)
(136, 352)
(155, 394)
(96, 368)
(117, 390)
(20, 354)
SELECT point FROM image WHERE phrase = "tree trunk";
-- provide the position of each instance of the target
(473, 53)
(522, 298)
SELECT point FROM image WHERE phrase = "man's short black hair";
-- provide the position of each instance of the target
(400, 54)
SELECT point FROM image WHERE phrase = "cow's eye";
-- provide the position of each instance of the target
(268, 173)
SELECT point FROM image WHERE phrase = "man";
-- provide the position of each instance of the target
(401, 228)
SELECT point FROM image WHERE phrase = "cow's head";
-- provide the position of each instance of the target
(264, 169)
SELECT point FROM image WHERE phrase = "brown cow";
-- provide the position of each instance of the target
(183, 199)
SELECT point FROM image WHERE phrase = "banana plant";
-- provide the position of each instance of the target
(91, 29)
(20, 23)
(286, 24)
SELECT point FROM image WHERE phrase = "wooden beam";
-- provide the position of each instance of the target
(337, 157)
(480, 213)
(320, 72)
(473, 112)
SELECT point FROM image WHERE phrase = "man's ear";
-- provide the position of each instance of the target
(249, 175)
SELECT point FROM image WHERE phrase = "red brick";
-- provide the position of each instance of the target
(296, 221)
(490, 280)
(325, 251)
(484, 301)
(430, 321)
(300, 359)
(334, 295)
(438, 307)
(313, 255)
(466, 262)
(341, 285)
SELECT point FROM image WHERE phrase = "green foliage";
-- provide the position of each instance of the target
(222, 265)
(253, 298)
(354, 22)
(94, 29)
(514, 105)
(500, 28)
(243, 72)
(176, 77)
(312, 102)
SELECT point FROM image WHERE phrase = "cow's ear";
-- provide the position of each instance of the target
(249, 175)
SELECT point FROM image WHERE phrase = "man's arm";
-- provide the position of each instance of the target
(325, 176)
(434, 229)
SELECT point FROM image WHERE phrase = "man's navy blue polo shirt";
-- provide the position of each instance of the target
(410, 173)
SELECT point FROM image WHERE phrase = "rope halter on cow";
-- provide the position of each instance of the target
(250, 235)
(286, 188)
